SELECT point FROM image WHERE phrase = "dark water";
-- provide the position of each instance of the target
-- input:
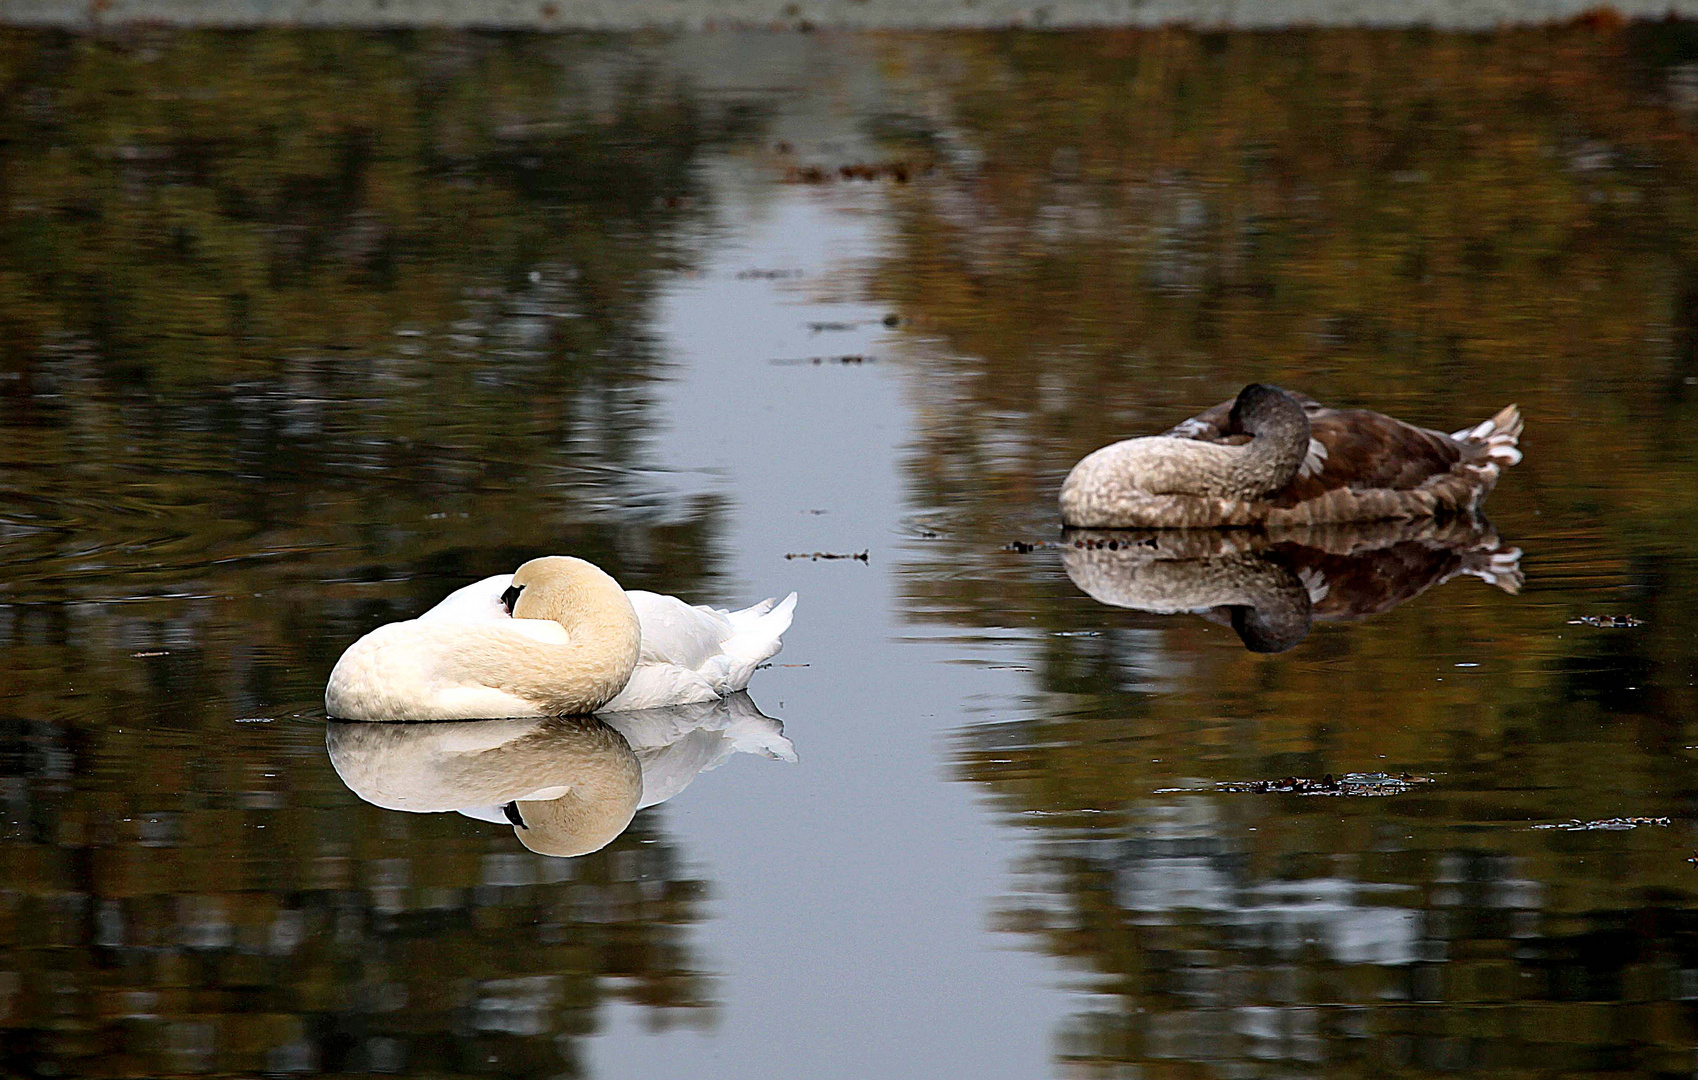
(299, 331)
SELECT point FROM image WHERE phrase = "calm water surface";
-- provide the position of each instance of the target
(299, 331)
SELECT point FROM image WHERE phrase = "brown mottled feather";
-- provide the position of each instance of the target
(1365, 449)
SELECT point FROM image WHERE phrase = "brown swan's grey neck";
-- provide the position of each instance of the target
(1280, 441)
(1269, 461)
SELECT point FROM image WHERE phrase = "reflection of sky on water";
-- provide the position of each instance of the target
(1182, 857)
(823, 861)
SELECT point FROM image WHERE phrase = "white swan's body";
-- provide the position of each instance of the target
(689, 653)
(576, 643)
(448, 669)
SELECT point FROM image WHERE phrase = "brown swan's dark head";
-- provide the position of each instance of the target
(1262, 409)
(1280, 442)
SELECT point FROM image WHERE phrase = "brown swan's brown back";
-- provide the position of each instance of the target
(1362, 450)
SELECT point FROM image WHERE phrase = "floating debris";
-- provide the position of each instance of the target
(851, 358)
(831, 327)
(157, 652)
(899, 171)
(815, 556)
(1607, 622)
(1614, 824)
(767, 275)
(1358, 784)
(254, 719)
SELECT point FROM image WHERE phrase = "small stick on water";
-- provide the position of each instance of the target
(815, 556)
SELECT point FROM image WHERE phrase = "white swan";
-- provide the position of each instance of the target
(689, 654)
(571, 649)
(548, 639)
(565, 784)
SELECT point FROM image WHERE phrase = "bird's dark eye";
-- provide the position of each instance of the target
(512, 812)
(511, 597)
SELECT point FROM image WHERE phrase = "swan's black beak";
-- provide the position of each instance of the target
(511, 597)
(512, 812)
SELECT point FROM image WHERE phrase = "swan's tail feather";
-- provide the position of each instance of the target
(757, 638)
(751, 616)
(1498, 436)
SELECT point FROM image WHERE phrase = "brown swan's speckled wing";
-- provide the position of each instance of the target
(1371, 450)
(1210, 425)
(1364, 449)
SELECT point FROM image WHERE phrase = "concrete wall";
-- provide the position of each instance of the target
(849, 14)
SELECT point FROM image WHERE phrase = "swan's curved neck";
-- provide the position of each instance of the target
(1270, 460)
(581, 675)
(603, 641)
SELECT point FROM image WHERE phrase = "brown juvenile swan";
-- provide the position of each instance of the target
(1274, 458)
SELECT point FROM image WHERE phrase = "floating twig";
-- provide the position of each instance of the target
(1613, 824)
(1356, 784)
(1607, 622)
(815, 556)
(849, 358)
(899, 171)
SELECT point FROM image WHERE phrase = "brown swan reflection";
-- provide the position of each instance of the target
(1271, 587)
(567, 785)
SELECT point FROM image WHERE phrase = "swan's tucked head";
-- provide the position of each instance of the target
(561, 588)
(1262, 408)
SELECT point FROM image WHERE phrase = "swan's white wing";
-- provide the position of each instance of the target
(689, 654)
(676, 633)
(656, 685)
(478, 602)
(722, 648)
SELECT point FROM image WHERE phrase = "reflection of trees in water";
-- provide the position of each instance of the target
(302, 330)
(173, 907)
(1128, 226)
(1254, 934)
(261, 404)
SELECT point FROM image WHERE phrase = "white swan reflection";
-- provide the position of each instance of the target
(1271, 586)
(568, 785)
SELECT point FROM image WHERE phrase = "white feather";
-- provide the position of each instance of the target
(1315, 460)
